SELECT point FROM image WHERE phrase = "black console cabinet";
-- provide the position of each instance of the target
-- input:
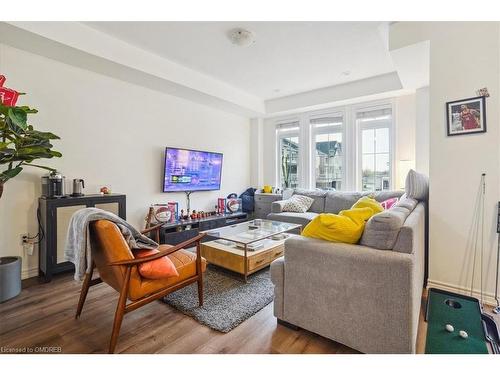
(180, 231)
(55, 214)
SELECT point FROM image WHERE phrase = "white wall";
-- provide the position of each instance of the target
(422, 130)
(456, 163)
(404, 138)
(112, 133)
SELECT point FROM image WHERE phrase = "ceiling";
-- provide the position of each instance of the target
(287, 58)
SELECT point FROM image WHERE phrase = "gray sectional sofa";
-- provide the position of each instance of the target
(365, 297)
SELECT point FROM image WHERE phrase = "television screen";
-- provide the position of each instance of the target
(191, 170)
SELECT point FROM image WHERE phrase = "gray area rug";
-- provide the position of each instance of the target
(228, 300)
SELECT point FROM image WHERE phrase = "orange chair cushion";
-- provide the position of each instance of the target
(155, 269)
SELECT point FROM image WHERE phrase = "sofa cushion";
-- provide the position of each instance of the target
(346, 227)
(370, 203)
(337, 201)
(297, 203)
(155, 269)
(416, 185)
(293, 217)
(318, 205)
(408, 203)
(381, 196)
(387, 204)
(382, 230)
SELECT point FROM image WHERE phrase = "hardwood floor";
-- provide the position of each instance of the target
(43, 316)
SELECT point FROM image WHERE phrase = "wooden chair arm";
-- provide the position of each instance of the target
(132, 262)
(154, 227)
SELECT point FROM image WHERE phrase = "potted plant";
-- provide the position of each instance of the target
(20, 143)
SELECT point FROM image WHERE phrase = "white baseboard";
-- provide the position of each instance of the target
(488, 298)
(29, 272)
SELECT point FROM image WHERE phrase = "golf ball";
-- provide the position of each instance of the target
(449, 328)
(463, 334)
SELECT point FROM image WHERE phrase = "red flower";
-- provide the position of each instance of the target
(8, 97)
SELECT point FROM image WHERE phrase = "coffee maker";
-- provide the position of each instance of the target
(53, 185)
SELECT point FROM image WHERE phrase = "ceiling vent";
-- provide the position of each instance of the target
(241, 37)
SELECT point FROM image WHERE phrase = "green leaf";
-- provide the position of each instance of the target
(30, 150)
(10, 173)
(18, 116)
(42, 135)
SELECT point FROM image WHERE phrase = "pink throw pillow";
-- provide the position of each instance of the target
(387, 204)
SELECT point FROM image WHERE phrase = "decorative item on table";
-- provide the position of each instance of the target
(161, 213)
(466, 116)
(105, 190)
(268, 189)
(221, 206)
(251, 246)
(173, 207)
(279, 237)
(233, 205)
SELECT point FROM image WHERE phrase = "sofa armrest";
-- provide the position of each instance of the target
(277, 206)
(365, 298)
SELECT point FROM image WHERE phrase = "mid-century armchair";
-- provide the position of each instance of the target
(118, 268)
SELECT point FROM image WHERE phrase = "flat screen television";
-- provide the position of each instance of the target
(191, 170)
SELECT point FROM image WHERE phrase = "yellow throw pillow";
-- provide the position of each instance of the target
(345, 227)
(369, 202)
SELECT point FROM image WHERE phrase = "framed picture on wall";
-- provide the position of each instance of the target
(466, 116)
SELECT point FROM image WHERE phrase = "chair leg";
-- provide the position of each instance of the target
(200, 289)
(120, 312)
(84, 291)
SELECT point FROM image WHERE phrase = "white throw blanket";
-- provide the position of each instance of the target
(77, 249)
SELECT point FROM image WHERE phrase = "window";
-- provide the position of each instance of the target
(375, 148)
(343, 148)
(328, 152)
(288, 154)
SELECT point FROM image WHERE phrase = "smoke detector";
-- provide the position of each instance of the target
(241, 37)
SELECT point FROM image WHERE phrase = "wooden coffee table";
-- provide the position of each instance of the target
(233, 248)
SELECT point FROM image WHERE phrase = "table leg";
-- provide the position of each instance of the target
(246, 264)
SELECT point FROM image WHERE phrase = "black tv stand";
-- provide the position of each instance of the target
(182, 230)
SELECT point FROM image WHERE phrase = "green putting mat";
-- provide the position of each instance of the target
(464, 314)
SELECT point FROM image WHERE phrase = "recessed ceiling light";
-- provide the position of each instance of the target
(346, 73)
(241, 37)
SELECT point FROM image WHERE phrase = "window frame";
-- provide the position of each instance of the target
(359, 141)
(313, 131)
(297, 133)
(351, 143)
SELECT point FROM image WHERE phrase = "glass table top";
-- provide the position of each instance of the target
(251, 231)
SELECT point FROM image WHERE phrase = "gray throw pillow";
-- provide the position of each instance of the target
(382, 230)
(406, 202)
(416, 185)
(297, 203)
